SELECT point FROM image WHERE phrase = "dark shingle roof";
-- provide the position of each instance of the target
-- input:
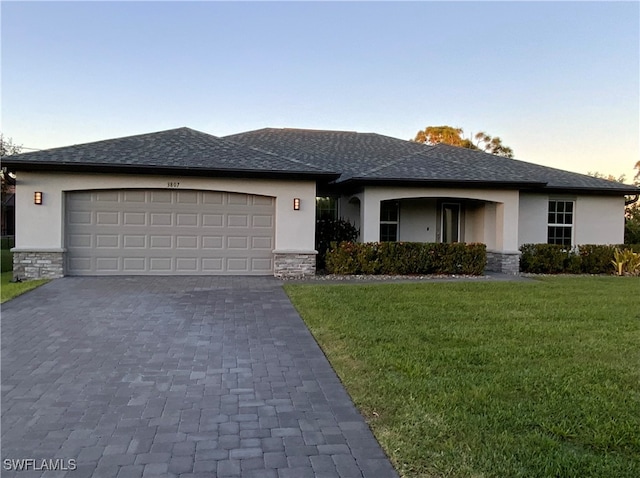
(348, 152)
(182, 148)
(342, 156)
(369, 157)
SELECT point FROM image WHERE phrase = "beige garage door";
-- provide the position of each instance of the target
(112, 232)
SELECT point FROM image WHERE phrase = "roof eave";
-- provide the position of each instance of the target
(631, 190)
(16, 166)
(441, 183)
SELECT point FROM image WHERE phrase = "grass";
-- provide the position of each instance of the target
(9, 290)
(492, 379)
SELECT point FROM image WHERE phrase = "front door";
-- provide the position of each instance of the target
(450, 223)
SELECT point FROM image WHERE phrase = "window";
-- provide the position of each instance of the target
(326, 208)
(389, 221)
(560, 228)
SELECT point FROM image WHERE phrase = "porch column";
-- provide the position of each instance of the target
(504, 256)
(369, 217)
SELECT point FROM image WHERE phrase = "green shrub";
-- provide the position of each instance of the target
(544, 258)
(6, 260)
(6, 257)
(556, 259)
(332, 230)
(340, 258)
(7, 242)
(632, 247)
(406, 258)
(596, 258)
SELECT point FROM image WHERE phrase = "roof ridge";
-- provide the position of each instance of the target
(395, 161)
(271, 153)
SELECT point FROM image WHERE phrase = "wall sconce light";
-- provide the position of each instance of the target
(37, 198)
(296, 204)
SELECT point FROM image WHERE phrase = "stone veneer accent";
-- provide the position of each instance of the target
(506, 262)
(294, 264)
(31, 264)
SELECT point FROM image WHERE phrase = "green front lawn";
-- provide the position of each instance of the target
(9, 290)
(488, 379)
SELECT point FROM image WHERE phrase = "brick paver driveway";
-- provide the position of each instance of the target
(173, 376)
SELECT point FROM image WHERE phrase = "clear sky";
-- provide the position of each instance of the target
(558, 82)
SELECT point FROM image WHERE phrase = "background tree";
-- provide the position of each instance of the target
(7, 148)
(454, 137)
(443, 134)
(492, 145)
(632, 216)
(7, 180)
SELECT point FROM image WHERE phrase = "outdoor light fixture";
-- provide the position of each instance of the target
(37, 198)
(296, 204)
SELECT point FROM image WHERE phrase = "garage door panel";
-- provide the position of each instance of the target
(213, 220)
(187, 264)
(187, 197)
(163, 197)
(134, 196)
(131, 241)
(79, 217)
(107, 264)
(212, 198)
(187, 242)
(168, 232)
(79, 240)
(262, 201)
(262, 221)
(107, 218)
(134, 264)
(213, 265)
(107, 240)
(237, 220)
(265, 265)
(187, 219)
(237, 242)
(107, 196)
(80, 264)
(134, 218)
(161, 219)
(212, 242)
(160, 264)
(262, 243)
(160, 242)
(234, 199)
(238, 264)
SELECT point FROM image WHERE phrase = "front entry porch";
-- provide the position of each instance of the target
(431, 215)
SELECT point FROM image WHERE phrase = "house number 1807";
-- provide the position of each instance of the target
(173, 184)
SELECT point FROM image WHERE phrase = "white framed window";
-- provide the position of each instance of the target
(560, 222)
(389, 213)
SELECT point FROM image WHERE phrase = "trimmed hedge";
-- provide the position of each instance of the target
(556, 259)
(332, 230)
(406, 258)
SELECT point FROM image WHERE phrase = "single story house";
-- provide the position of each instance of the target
(185, 202)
